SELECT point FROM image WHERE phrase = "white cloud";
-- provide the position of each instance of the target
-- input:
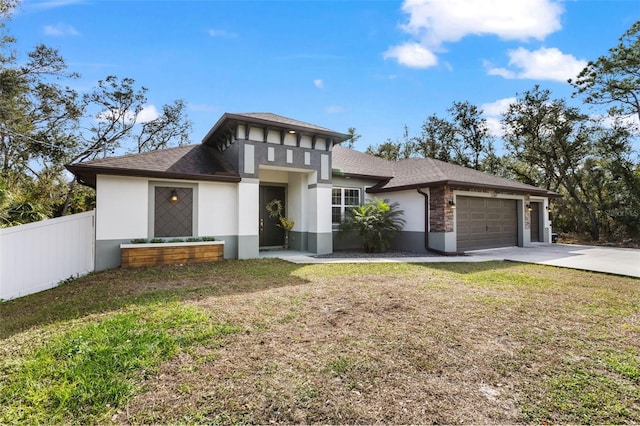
(60, 29)
(412, 55)
(318, 83)
(493, 111)
(221, 33)
(497, 108)
(541, 64)
(435, 22)
(335, 109)
(148, 113)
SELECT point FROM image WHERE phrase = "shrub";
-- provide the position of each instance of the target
(376, 222)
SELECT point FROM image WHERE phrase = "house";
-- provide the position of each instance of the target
(220, 188)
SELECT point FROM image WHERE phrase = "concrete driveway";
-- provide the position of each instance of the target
(619, 261)
(611, 260)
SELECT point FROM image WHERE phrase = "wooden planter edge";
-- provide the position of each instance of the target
(154, 254)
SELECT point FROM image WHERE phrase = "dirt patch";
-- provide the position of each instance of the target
(422, 347)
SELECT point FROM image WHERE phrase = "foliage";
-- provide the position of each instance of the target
(394, 151)
(82, 375)
(614, 79)
(353, 137)
(462, 138)
(554, 146)
(376, 222)
(275, 209)
(173, 240)
(45, 124)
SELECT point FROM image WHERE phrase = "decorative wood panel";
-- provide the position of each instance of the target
(132, 256)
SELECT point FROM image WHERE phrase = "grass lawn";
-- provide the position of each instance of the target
(265, 341)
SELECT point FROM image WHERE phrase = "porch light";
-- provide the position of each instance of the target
(174, 196)
(452, 204)
(548, 208)
(529, 207)
(293, 132)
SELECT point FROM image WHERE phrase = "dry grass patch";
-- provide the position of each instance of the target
(398, 343)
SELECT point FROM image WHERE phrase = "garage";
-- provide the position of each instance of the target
(483, 223)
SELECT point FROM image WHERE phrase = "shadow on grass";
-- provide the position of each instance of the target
(469, 267)
(117, 288)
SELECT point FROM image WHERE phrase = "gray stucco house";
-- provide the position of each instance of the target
(220, 188)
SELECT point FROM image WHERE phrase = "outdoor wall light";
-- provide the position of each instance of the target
(174, 196)
(452, 204)
(529, 207)
(548, 208)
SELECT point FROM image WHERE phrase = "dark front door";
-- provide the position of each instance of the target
(271, 235)
(535, 222)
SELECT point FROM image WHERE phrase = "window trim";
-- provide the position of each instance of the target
(342, 204)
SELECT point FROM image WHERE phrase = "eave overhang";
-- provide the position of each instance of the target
(86, 175)
(225, 128)
(503, 188)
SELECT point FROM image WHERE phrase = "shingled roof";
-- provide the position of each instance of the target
(267, 120)
(195, 162)
(415, 173)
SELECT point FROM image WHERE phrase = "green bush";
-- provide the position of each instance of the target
(376, 222)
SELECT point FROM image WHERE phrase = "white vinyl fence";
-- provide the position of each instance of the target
(38, 256)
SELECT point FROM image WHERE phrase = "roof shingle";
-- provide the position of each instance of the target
(186, 162)
(421, 172)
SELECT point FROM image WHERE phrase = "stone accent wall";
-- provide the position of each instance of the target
(441, 213)
(527, 213)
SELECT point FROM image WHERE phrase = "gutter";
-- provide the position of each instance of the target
(426, 218)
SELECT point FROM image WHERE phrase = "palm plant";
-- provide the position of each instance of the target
(376, 222)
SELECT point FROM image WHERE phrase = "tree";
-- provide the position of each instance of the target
(353, 137)
(551, 145)
(394, 151)
(44, 124)
(615, 78)
(171, 125)
(463, 138)
(376, 222)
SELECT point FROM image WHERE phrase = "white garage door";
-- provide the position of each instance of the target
(486, 223)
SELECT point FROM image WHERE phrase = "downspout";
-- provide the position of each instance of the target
(426, 218)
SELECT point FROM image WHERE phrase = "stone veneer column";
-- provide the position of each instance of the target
(441, 235)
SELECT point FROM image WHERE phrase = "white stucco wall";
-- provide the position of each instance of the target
(296, 201)
(273, 176)
(217, 209)
(248, 191)
(121, 207)
(412, 203)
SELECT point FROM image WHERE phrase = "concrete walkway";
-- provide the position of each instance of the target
(611, 260)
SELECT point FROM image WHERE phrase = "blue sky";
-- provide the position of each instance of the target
(373, 65)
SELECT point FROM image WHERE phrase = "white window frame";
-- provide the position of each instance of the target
(342, 204)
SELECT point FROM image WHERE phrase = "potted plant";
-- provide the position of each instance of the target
(274, 207)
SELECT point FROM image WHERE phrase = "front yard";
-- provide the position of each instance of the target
(265, 341)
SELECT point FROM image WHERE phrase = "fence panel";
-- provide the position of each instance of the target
(37, 256)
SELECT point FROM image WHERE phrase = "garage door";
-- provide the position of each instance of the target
(486, 223)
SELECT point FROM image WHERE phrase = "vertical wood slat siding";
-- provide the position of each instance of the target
(133, 257)
(38, 256)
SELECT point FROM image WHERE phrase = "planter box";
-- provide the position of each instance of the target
(153, 254)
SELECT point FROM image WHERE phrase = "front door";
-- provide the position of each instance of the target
(271, 235)
(535, 222)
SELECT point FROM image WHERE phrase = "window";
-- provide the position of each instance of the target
(343, 200)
